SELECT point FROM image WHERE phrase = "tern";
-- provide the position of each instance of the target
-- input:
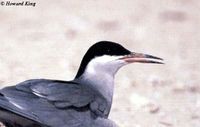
(84, 101)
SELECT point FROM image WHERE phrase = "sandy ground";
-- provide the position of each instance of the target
(49, 40)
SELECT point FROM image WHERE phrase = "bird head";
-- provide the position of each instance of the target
(107, 57)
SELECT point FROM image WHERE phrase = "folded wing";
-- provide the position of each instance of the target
(32, 97)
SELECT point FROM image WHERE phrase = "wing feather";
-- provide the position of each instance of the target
(32, 97)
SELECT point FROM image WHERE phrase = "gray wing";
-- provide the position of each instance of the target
(61, 93)
(38, 99)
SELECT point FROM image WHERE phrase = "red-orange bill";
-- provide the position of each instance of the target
(142, 58)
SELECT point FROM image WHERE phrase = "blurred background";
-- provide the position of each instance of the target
(50, 39)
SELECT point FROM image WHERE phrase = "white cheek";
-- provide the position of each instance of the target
(105, 64)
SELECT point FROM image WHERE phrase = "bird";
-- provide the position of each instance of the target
(84, 101)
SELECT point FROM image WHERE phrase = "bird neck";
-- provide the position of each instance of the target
(102, 83)
(102, 87)
(99, 74)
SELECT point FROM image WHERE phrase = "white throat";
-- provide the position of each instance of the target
(100, 71)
